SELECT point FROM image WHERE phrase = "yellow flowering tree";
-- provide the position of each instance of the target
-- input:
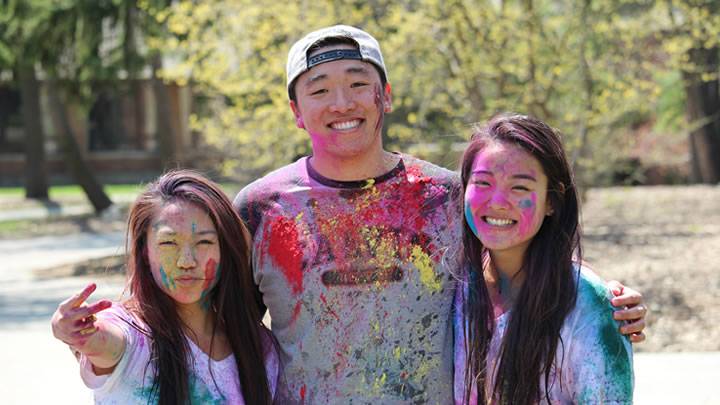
(589, 67)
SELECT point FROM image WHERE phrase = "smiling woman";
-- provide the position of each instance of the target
(189, 332)
(535, 325)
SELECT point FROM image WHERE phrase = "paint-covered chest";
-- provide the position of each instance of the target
(359, 286)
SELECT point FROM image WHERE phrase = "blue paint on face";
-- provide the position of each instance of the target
(194, 228)
(166, 282)
(526, 203)
(471, 220)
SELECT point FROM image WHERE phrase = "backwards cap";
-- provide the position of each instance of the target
(368, 50)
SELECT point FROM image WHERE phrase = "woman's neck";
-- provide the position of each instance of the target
(504, 277)
(199, 320)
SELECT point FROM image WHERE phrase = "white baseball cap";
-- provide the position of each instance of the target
(368, 50)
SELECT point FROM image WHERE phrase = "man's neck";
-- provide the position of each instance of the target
(356, 167)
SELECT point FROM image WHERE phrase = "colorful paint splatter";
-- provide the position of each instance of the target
(594, 364)
(356, 276)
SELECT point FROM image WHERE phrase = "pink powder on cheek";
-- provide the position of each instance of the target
(527, 215)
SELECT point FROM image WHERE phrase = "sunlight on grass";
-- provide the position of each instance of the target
(8, 227)
(74, 191)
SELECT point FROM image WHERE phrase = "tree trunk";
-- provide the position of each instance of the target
(163, 115)
(36, 184)
(74, 160)
(703, 115)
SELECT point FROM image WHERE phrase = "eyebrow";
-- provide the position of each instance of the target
(524, 177)
(168, 232)
(520, 176)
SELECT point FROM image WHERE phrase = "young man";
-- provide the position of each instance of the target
(355, 247)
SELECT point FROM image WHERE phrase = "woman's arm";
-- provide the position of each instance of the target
(75, 324)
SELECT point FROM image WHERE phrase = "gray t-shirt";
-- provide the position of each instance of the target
(358, 280)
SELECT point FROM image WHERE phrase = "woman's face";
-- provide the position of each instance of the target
(184, 253)
(506, 197)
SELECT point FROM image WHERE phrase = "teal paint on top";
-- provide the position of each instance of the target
(470, 220)
(200, 394)
(194, 228)
(613, 345)
(148, 393)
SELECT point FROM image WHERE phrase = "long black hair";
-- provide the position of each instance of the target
(232, 298)
(549, 291)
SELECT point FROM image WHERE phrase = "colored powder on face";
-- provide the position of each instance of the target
(212, 272)
(525, 203)
(527, 216)
(424, 264)
(303, 390)
(286, 252)
(470, 219)
(194, 228)
(167, 282)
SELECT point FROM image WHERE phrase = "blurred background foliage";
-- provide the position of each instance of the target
(632, 84)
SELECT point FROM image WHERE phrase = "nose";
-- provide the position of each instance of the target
(499, 200)
(342, 102)
(186, 260)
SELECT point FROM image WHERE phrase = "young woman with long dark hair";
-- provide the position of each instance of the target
(533, 324)
(190, 331)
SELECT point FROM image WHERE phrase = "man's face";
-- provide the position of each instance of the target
(341, 105)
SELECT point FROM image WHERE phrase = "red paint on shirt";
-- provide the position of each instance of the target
(286, 253)
(296, 311)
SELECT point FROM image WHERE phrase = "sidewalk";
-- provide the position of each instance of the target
(17, 209)
(39, 369)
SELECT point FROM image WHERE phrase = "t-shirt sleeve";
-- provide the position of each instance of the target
(250, 216)
(600, 358)
(135, 343)
(243, 206)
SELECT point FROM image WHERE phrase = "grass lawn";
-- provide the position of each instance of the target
(14, 197)
(74, 190)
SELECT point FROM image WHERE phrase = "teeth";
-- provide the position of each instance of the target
(345, 124)
(498, 221)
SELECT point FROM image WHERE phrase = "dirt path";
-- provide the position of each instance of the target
(665, 242)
